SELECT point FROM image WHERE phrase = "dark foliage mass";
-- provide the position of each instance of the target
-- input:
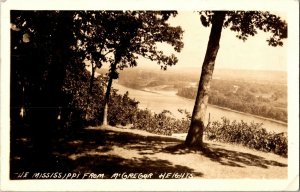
(50, 85)
(122, 109)
(84, 109)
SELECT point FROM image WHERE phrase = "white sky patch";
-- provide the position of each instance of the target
(253, 54)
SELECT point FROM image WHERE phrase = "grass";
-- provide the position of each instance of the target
(110, 150)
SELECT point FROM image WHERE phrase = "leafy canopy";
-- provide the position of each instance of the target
(120, 36)
(246, 23)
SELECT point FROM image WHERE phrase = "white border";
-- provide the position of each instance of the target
(292, 183)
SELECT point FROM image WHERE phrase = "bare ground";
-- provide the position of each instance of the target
(112, 150)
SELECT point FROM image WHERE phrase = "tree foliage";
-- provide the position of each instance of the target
(72, 37)
(119, 45)
(127, 34)
(247, 23)
(49, 53)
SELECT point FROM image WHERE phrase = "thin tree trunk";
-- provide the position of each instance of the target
(90, 94)
(92, 78)
(195, 134)
(107, 94)
(106, 99)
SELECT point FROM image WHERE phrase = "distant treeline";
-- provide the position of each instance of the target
(264, 100)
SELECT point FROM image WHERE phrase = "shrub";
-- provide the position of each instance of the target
(251, 135)
(163, 123)
(122, 109)
(82, 107)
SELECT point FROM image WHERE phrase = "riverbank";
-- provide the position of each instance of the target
(244, 113)
(172, 92)
(249, 114)
(168, 100)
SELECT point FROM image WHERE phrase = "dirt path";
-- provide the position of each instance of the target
(132, 150)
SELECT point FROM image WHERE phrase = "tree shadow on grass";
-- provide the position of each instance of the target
(150, 145)
(226, 157)
(113, 164)
(87, 150)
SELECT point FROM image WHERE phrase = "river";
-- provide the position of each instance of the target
(158, 101)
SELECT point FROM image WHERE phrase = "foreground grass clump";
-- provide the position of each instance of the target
(250, 135)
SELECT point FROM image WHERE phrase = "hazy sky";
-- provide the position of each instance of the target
(233, 53)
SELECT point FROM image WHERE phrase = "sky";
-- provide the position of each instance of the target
(253, 54)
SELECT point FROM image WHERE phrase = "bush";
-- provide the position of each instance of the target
(83, 107)
(80, 107)
(250, 135)
(122, 109)
(163, 123)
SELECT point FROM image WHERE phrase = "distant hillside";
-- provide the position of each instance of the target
(241, 75)
(272, 77)
(193, 75)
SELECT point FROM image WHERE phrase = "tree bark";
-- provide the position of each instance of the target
(106, 99)
(195, 133)
(107, 94)
(90, 93)
(92, 79)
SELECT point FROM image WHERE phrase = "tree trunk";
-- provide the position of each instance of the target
(92, 78)
(195, 134)
(90, 93)
(107, 94)
(106, 99)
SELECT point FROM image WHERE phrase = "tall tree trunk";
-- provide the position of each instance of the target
(107, 94)
(106, 99)
(92, 78)
(90, 93)
(195, 134)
